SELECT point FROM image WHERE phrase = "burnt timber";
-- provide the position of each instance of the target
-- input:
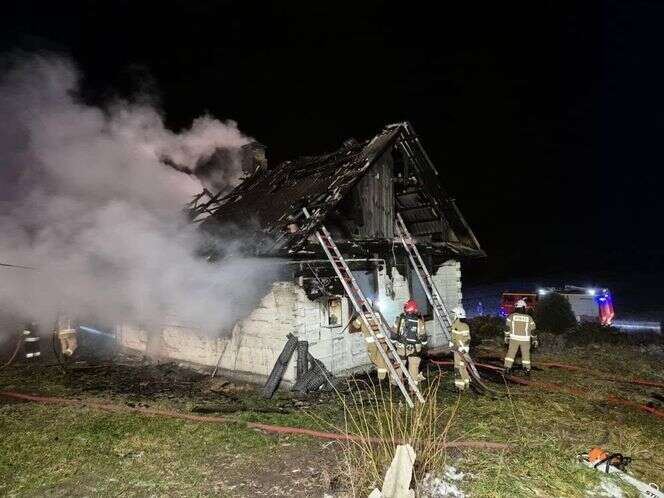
(355, 191)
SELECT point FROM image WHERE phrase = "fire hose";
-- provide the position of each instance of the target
(277, 429)
(19, 342)
(564, 389)
(482, 388)
(640, 382)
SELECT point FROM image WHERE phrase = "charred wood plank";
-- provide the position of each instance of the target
(280, 367)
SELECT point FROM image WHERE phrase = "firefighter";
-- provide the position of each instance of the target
(519, 335)
(461, 341)
(66, 334)
(31, 341)
(411, 337)
(372, 350)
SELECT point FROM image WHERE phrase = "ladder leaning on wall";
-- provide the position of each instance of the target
(440, 310)
(365, 311)
(436, 301)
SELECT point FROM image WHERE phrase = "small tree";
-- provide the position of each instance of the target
(554, 314)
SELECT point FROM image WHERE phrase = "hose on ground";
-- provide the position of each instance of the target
(572, 391)
(487, 445)
(19, 342)
(639, 382)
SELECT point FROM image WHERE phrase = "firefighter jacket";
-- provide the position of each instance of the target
(410, 330)
(460, 335)
(519, 327)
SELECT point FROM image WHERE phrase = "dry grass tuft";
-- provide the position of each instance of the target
(377, 413)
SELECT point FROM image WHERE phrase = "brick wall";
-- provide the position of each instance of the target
(251, 349)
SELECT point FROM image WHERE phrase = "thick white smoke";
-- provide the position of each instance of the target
(86, 199)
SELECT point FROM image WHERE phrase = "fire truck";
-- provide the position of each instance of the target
(588, 304)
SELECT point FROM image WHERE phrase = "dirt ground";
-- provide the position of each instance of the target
(290, 471)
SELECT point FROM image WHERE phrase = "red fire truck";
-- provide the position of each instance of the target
(588, 304)
(509, 300)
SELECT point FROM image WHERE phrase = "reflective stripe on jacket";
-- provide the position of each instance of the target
(520, 326)
(460, 333)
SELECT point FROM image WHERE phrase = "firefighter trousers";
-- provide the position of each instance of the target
(410, 356)
(513, 349)
(461, 376)
(412, 362)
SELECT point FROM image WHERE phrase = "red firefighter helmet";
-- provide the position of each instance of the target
(410, 306)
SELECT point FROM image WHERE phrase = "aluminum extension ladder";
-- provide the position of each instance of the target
(437, 303)
(364, 308)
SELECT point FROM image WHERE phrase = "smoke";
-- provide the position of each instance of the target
(85, 197)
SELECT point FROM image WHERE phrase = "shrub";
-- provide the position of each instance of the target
(487, 327)
(554, 314)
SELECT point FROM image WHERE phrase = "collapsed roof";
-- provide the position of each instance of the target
(355, 190)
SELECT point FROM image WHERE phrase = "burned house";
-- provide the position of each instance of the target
(356, 193)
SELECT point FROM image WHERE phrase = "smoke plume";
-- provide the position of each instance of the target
(86, 199)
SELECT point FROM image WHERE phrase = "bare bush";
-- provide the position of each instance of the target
(382, 420)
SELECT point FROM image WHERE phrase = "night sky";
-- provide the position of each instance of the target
(544, 118)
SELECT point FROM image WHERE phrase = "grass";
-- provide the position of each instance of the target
(54, 450)
(545, 430)
(77, 452)
(49, 450)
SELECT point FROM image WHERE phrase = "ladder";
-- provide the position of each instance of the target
(363, 308)
(437, 303)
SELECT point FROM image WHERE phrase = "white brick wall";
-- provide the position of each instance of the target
(255, 342)
(132, 337)
(448, 282)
